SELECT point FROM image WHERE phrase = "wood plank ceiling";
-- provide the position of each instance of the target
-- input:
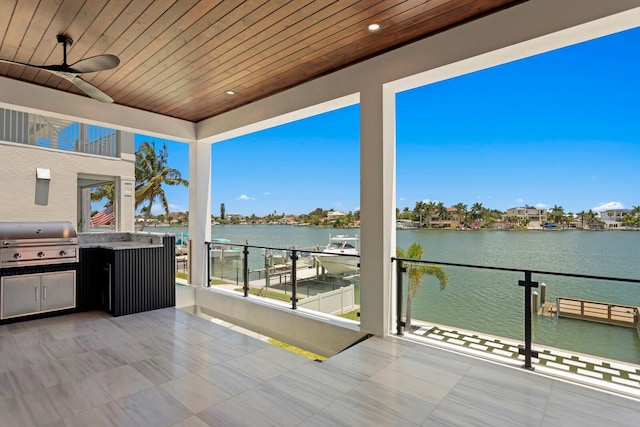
(180, 57)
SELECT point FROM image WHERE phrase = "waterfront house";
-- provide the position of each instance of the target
(204, 72)
(529, 213)
(613, 218)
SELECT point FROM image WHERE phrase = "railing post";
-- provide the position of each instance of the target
(527, 351)
(245, 270)
(208, 264)
(294, 284)
(399, 271)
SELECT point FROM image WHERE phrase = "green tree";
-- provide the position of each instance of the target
(590, 217)
(105, 191)
(419, 212)
(222, 210)
(152, 172)
(442, 212)
(430, 209)
(556, 214)
(476, 213)
(632, 218)
(461, 212)
(416, 271)
(581, 216)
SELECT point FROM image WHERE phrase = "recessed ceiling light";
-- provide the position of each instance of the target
(372, 28)
(230, 92)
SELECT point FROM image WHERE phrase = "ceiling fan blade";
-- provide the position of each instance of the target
(95, 63)
(90, 90)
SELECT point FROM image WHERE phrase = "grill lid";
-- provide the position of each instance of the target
(26, 231)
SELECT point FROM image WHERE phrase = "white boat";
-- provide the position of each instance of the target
(336, 264)
(181, 243)
(220, 249)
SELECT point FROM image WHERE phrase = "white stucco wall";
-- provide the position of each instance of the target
(25, 198)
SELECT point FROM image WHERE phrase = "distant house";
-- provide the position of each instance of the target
(288, 220)
(232, 217)
(530, 213)
(333, 215)
(613, 214)
(612, 218)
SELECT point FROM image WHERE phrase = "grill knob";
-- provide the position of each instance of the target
(63, 253)
(17, 255)
(40, 254)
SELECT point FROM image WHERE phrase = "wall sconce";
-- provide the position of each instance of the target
(43, 173)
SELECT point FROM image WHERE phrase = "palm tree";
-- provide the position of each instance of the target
(106, 191)
(418, 212)
(477, 213)
(557, 214)
(442, 212)
(416, 271)
(430, 209)
(461, 210)
(152, 171)
(581, 216)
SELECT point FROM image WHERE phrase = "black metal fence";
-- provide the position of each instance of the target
(528, 284)
(289, 271)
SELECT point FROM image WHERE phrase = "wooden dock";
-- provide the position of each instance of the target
(595, 311)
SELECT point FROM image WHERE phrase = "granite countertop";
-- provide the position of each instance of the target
(120, 241)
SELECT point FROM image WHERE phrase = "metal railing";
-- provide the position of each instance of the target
(528, 284)
(32, 129)
(298, 260)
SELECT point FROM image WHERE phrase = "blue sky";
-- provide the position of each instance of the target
(561, 128)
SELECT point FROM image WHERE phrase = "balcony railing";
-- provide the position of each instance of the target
(469, 306)
(292, 275)
(31, 129)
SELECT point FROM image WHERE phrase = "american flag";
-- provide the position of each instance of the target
(103, 217)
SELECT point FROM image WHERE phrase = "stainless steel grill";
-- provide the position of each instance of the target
(37, 243)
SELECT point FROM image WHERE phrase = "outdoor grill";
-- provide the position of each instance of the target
(27, 244)
(38, 267)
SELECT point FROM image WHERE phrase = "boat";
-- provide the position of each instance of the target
(336, 264)
(221, 249)
(181, 243)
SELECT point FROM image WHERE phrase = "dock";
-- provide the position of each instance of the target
(594, 311)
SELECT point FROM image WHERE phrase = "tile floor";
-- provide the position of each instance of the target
(167, 367)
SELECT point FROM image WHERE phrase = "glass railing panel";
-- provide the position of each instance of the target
(488, 302)
(226, 265)
(485, 308)
(298, 276)
(60, 134)
(588, 316)
(330, 285)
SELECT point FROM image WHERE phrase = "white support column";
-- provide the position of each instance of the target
(199, 211)
(85, 210)
(125, 209)
(377, 207)
(125, 201)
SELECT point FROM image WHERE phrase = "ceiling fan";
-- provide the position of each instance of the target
(72, 72)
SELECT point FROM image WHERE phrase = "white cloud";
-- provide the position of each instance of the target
(244, 197)
(540, 206)
(266, 193)
(607, 206)
(520, 200)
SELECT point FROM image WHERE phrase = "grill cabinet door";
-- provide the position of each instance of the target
(20, 295)
(58, 290)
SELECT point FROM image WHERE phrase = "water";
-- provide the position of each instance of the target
(492, 302)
